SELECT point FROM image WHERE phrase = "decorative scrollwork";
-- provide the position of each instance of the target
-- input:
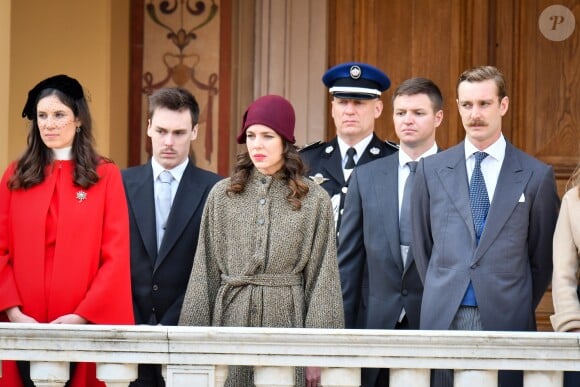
(180, 66)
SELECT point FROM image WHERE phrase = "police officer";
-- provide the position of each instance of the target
(356, 90)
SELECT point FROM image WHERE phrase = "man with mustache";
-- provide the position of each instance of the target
(166, 197)
(483, 217)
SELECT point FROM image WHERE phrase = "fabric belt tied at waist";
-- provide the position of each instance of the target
(272, 280)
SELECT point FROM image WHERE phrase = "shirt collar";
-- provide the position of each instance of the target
(405, 158)
(360, 146)
(63, 153)
(495, 150)
(176, 172)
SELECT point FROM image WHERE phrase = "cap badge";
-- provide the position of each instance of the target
(81, 196)
(329, 149)
(355, 72)
(318, 178)
(374, 150)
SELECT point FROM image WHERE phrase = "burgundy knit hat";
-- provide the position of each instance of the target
(272, 111)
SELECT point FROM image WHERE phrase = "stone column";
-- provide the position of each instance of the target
(116, 375)
(543, 378)
(49, 374)
(273, 376)
(418, 377)
(340, 377)
(475, 378)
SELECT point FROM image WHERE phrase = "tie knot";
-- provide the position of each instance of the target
(165, 177)
(350, 152)
(479, 156)
(412, 165)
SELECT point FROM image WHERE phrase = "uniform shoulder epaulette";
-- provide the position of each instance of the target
(312, 145)
(391, 144)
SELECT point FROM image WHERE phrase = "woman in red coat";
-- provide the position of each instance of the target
(64, 232)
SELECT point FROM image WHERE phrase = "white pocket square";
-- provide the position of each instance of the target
(522, 199)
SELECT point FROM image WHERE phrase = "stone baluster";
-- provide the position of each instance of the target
(475, 378)
(401, 377)
(116, 375)
(49, 374)
(340, 377)
(543, 378)
(221, 374)
(273, 376)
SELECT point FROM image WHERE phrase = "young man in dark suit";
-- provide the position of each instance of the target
(166, 197)
(375, 229)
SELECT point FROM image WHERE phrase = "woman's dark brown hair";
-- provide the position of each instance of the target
(31, 166)
(292, 172)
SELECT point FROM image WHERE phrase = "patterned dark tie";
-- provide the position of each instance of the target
(478, 196)
(405, 217)
(350, 152)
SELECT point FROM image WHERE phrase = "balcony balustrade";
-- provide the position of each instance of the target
(199, 356)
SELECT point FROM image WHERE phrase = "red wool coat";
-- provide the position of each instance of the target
(85, 272)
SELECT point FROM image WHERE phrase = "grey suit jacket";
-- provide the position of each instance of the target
(369, 234)
(511, 267)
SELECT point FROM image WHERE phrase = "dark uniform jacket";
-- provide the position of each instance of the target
(325, 168)
(324, 164)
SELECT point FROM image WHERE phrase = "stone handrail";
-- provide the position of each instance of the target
(195, 356)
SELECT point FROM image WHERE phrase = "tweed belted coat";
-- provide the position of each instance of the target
(259, 263)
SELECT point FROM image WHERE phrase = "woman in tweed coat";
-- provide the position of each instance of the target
(566, 263)
(266, 255)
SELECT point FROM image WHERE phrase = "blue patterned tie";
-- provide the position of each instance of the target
(478, 196)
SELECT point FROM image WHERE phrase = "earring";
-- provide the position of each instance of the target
(78, 129)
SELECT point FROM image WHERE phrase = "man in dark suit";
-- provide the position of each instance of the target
(166, 198)
(371, 233)
(483, 218)
(356, 90)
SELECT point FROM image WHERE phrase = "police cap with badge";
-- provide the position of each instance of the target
(350, 80)
(354, 80)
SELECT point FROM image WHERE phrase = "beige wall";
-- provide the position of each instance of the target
(4, 80)
(85, 39)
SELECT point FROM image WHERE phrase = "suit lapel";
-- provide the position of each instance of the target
(142, 201)
(186, 202)
(454, 181)
(386, 185)
(510, 186)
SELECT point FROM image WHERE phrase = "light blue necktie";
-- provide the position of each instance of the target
(478, 196)
(164, 201)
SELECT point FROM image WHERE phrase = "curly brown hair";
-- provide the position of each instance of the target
(291, 172)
